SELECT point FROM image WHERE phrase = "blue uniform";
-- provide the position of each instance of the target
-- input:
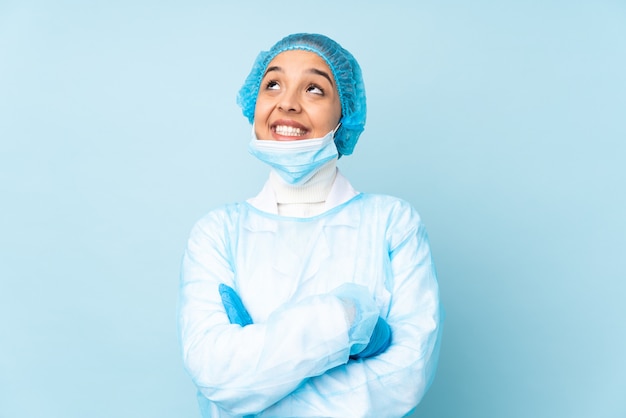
(293, 361)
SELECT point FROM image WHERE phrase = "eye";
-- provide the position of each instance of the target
(315, 89)
(272, 85)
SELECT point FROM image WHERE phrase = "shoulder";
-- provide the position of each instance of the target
(218, 219)
(397, 217)
(391, 207)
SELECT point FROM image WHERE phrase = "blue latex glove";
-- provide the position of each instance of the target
(237, 313)
(379, 341)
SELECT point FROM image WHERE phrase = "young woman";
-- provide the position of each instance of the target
(310, 299)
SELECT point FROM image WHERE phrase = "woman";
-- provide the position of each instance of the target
(310, 299)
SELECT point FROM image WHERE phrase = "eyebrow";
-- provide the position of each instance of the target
(322, 73)
(310, 70)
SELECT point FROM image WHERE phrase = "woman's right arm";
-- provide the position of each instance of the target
(245, 370)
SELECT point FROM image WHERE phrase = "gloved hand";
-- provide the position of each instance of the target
(237, 313)
(379, 341)
(369, 334)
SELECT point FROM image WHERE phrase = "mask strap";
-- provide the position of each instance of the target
(336, 129)
(334, 132)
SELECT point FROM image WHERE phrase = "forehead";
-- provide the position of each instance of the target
(300, 60)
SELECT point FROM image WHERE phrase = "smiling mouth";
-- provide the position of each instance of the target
(284, 130)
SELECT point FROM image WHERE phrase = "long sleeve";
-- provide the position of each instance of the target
(245, 370)
(294, 359)
(393, 383)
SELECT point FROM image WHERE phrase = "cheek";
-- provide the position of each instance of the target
(335, 115)
(338, 113)
(261, 110)
(335, 110)
(261, 114)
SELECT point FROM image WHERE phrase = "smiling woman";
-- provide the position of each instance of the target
(297, 98)
(310, 299)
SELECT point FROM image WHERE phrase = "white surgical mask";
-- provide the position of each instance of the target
(295, 161)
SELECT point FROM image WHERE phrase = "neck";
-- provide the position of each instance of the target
(314, 190)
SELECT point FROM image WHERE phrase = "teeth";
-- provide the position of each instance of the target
(289, 131)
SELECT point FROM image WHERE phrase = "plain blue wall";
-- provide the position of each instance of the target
(504, 123)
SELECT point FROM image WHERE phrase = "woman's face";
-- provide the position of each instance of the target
(297, 98)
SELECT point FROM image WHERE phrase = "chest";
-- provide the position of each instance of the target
(292, 261)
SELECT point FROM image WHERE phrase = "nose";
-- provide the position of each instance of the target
(289, 101)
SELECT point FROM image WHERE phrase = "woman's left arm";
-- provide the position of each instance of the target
(394, 382)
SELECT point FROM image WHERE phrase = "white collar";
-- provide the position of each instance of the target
(313, 191)
(340, 192)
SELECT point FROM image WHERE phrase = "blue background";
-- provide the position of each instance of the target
(503, 122)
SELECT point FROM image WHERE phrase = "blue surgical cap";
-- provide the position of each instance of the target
(346, 72)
